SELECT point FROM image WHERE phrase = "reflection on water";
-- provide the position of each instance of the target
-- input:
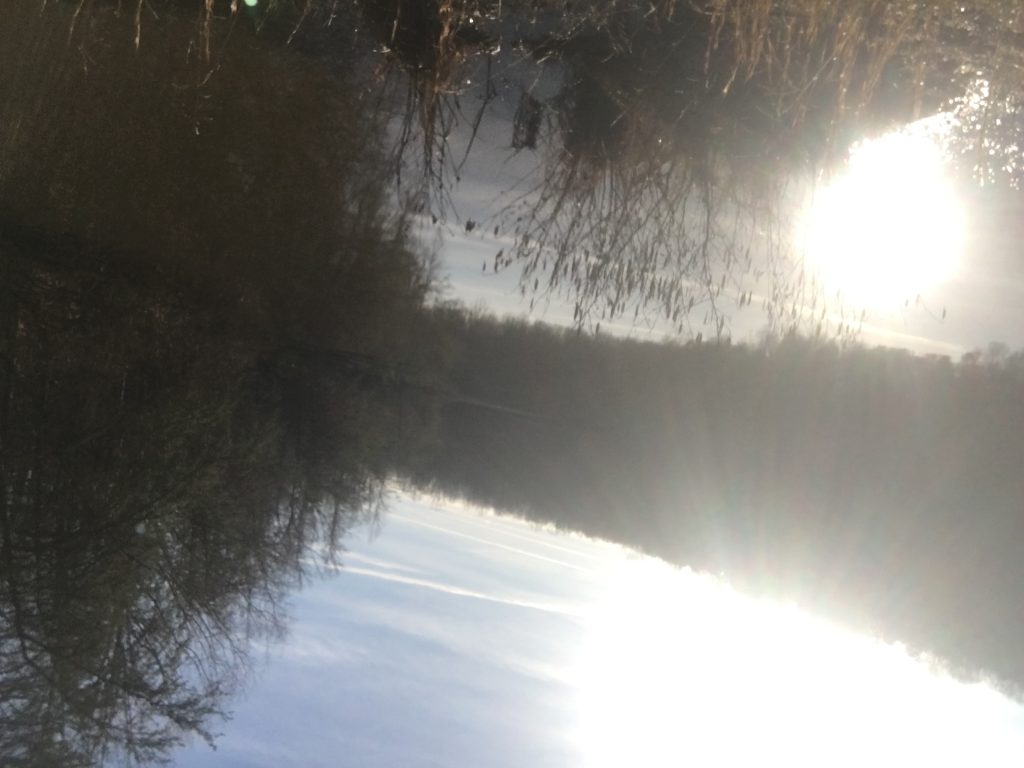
(221, 343)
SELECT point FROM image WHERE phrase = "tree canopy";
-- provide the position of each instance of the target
(671, 133)
(872, 486)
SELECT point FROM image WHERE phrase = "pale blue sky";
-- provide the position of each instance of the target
(455, 638)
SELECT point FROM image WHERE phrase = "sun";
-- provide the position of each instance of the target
(889, 227)
(676, 668)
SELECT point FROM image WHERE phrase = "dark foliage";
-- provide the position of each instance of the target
(204, 285)
(872, 485)
(167, 472)
(669, 130)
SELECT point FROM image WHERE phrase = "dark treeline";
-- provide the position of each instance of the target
(168, 471)
(258, 179)
(879, 487)
(205, 292)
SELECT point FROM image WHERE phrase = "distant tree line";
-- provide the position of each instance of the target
(875, 485)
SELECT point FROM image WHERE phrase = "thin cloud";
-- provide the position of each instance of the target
(451, 589)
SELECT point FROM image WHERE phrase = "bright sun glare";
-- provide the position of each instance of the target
(681, 670)
(889, 227)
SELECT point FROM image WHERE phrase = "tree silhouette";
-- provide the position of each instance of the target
(675, 132)
(193, 251)
(166, 476)
(670, 132)
(870, 485)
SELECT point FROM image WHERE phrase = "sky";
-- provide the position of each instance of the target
(976, 298)
(454, 637)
